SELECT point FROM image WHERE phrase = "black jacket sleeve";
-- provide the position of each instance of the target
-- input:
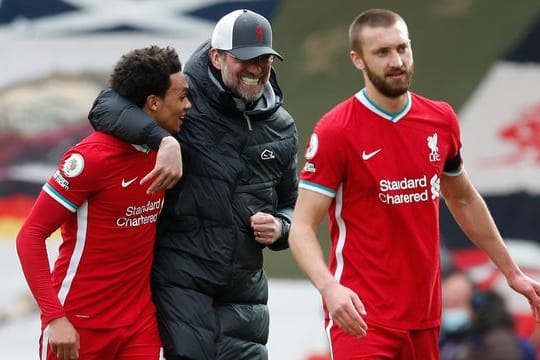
(115, 115)
(287, 191)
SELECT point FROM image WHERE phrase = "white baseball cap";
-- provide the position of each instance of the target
(245, 34)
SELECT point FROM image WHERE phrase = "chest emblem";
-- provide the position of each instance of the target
(433, 147)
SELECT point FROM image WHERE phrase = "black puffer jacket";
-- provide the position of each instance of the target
(236, 162)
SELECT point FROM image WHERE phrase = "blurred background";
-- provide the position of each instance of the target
(481, 56)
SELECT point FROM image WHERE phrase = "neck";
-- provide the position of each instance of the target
(388, 104)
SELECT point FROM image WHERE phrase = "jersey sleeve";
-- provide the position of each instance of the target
(76, 178)
(45, 217)
(454, 164)
(324, 159)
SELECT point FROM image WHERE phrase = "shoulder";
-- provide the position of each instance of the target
(343, 107)
(284, 118)
(100, 144)
(338, 116)
(437, 106)
(98, 149)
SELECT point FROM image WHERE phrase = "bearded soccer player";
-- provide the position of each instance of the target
(96, 303)
(378, 164)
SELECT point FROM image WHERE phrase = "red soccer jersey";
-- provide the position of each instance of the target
(383, 171)
(101, 275)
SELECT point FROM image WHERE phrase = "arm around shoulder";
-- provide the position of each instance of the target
(112, 114)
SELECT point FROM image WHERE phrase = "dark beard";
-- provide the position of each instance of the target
(388, 89)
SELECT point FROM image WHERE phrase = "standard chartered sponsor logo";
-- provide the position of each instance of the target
(138, 215)
(409, 190)
(435, 183)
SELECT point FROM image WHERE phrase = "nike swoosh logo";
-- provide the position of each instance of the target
(127, 183)
(370, 155)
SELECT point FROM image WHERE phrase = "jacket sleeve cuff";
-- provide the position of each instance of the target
(283, 242)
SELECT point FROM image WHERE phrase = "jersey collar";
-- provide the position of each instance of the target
(394, 117)
(142, 148)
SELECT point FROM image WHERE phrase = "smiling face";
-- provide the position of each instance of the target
(170, 111)
(385, 58)
(244, 78)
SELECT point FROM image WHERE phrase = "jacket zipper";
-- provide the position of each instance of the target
(248, 121)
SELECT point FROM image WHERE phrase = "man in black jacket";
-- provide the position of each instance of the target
(235, 198)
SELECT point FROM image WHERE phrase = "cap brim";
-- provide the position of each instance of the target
(247, 53)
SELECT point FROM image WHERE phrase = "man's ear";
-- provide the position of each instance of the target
(357, 61)
(152, 102)
(215, 58)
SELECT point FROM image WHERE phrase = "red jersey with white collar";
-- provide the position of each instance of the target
(383, 172)
(101, 276)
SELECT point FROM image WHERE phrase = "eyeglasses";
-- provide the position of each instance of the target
(262, 60)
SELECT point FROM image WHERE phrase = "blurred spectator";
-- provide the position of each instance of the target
(477, 325)
(457, 291)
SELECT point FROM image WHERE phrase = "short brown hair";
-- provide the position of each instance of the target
(371, 18)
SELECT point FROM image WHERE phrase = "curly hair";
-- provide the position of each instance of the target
(143, 72)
